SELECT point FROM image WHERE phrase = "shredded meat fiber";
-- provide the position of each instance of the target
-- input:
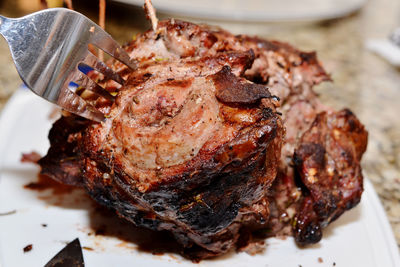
(212, 137)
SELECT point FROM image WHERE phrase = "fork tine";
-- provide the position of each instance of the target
(94, 62)
(85, 81)
(77, 105)
(105, 42)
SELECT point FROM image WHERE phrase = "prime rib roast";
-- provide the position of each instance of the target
(212, 137)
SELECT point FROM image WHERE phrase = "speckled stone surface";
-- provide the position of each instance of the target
(362, 81)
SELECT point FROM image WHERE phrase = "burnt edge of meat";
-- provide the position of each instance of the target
(62, 161)
(306, 226)
(208, 203)
(328, 163)
(232, 90)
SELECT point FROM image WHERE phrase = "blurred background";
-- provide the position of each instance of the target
(337, 29)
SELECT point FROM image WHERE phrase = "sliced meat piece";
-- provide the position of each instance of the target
(328, 161)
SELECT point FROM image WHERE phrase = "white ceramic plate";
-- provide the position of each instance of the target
(361, 237)
(256, 10)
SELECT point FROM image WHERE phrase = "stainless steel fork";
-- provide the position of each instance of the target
(50, 47)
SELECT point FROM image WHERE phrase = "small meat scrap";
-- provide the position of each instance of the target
(28, 248)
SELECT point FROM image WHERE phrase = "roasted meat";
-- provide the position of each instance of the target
(194, 142)
(328, 162)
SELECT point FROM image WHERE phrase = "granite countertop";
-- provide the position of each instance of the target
(362, 81)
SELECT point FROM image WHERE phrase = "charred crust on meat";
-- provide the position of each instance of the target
(333, 187)
(315, 151)
(306, 227)
(310, 57)
(61, 161)
(310, 234)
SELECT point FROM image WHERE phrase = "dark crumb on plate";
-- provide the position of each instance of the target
(320, 260)
(8, 213)
(88, 248)
(44, 224)
(334, 263)
(28, 248)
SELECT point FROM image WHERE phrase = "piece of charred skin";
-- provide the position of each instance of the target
(328, 162)
(231, 90)
(306, 226)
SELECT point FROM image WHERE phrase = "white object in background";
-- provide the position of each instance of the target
(386, 49)
(256, 10)
(360, 237)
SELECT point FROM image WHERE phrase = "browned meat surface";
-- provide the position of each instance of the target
(328, 161)
(214, 136)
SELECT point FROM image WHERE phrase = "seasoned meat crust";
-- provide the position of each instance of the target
(214, 135)
(328, 162)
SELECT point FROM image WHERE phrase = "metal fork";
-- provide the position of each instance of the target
(50, 47)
